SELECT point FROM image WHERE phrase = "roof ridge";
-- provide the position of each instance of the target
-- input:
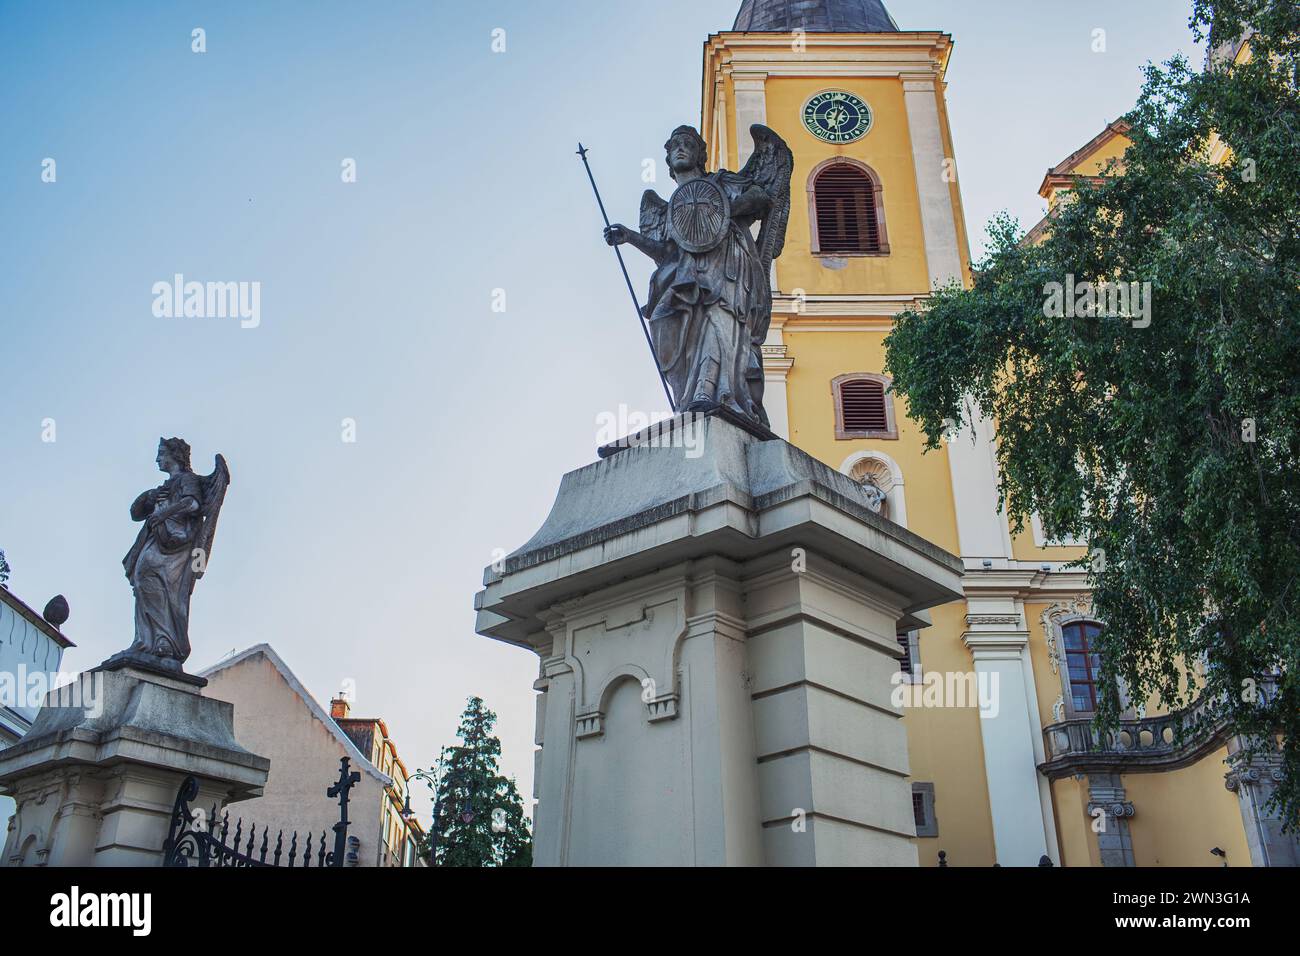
(267, 651)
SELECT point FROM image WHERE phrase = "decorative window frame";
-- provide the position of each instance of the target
(888, 476)
(878, 198)
(891, 422)
(930, 828)
(1055, 619)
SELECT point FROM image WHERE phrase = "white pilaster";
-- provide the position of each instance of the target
(999, 643)
(719, 137)
(938, 221)
(981, 526)
(751, 108)
(776, 372)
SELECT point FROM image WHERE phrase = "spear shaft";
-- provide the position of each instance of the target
(582, 151)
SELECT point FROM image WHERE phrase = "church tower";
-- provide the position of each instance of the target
(876, 224)
(1005, 771)
(876, 216)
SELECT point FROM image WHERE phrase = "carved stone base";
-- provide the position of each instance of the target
(95, 778)
(669, 432)
(717, 640)
(150, 663)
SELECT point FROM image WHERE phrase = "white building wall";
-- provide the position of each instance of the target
(29, 663)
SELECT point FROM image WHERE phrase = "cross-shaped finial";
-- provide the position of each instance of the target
(582, 151)
(345, 783)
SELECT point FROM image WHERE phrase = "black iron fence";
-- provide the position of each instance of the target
(198, 838)
(1043, 861)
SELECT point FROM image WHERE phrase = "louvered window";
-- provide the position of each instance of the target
(923, 815)
(844, 204)
(864, 406)
(905, 664)
(910, 662)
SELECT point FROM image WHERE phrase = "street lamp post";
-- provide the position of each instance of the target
(466, 814)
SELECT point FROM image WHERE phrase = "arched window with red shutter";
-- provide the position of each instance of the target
(846, 208)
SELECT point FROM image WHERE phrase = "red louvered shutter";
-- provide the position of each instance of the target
(862, 405)
(845, 201)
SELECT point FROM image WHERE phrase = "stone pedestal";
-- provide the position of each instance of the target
(96, 777)
(716, 618)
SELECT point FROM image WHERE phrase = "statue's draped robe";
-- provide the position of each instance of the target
(705, 310)
(160, 568)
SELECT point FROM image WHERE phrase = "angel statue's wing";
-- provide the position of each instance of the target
(214, 493)
(654, 216)
(771, 166)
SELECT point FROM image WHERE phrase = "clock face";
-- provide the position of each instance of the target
(835, 116)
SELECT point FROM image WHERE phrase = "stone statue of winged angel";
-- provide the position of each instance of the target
(710, 300)
(171, 552)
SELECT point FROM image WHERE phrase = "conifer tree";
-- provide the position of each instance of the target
(478, 814)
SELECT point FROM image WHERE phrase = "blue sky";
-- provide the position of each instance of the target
(359, 561)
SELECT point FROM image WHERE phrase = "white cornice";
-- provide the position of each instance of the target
(932, 42)
(800, 311)
(991, 646)
(1024, 583)
(13, 723)
(840, 54)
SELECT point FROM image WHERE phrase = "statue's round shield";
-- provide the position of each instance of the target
(698, 215)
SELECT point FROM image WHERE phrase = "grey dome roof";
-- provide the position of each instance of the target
(814, 16)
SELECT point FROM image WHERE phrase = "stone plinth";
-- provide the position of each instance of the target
(96, 777)
(716, 626)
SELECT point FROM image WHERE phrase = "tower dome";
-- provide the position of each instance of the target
(814, 16)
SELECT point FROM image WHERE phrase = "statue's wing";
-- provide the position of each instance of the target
(214, 493)
(654, 216)
(771, 166)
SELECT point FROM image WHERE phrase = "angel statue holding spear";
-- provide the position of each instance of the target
(711, 294)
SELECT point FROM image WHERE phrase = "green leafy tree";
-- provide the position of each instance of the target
(4, 567)
(479, 815)
(1173, 449)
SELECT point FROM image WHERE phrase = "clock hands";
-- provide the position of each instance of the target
(837, 117)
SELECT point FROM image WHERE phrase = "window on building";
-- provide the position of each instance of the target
(1083, 664)
(847, 212)
(864, 407)
(910, 663)
(927, 824)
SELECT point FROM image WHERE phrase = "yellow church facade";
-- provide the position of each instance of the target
(998, 691)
